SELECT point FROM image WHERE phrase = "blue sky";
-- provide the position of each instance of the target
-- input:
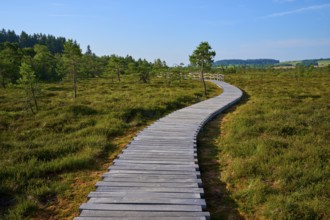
(171, 29)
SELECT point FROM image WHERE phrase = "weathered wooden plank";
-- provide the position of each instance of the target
(144, 194)
(126, 161)
(147, 184)
(139, 207)
(149, 189)
(145, 179)
(156, 168)
(167, 156)
(140, 218)
(148, 200)
(150, 175)
(157, 172)
(144, 157)
(102, 213)
(170, 151)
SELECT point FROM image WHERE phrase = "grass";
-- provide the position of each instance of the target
(324, 63)
(270, 154)
(321, 63)
(50, 161)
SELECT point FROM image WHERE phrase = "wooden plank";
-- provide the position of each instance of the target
(152, 180)
(148, 175)
(153, 150)
(101, 213)
(149, 189)
(140, 218)
(148, 200)
(139, 207)
(161, 156)
(144, 157)
(147, 184)
(156, 168)
(144, 194)
(126, 161)
(157, 172)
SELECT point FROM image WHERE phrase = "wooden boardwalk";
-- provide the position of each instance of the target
(157, 174)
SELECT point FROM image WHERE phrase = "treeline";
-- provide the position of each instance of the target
(311, 62)
(24, 40)
(52, 58)
(249, 62)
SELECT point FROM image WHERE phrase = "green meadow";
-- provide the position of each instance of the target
(268, 157)
(50, 161)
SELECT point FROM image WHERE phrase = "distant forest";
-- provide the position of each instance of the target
(249, 62)
(24, 40)
(52, 58)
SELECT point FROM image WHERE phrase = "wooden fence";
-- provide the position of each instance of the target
(209, 76)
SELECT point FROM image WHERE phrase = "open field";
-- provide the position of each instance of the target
(50, 161)
(268, 158)
(323, 63)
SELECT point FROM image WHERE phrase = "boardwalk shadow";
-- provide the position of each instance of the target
(219, 200)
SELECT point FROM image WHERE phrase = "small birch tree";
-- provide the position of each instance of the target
(28, 82)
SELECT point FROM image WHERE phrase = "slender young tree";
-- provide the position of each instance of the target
(143, 69)
(72, 55)
(28, 82)
(116, 65)
(202, 57)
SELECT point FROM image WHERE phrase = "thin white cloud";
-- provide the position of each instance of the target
(299, 10)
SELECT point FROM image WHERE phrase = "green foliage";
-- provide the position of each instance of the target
(38, 151)
(72, 57)
(116, 66)
(10, 59)
(44, 64)
(274, 151)
(144, 69)
(202, 57)
(29, 84)
(24, 40)
(90, 66)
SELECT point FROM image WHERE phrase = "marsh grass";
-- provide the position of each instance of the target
(273, 149)
(51, 160)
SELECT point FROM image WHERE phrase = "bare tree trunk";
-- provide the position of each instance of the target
(74, 81)
(34, 98)
(203, 80)
(118, 75)
(30, 106)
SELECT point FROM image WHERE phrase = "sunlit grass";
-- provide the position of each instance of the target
(273, 150)
(50, 161)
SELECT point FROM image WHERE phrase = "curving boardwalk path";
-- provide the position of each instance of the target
(157, 175)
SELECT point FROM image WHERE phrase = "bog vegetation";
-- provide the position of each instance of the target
(64, 115)
(268, 158)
